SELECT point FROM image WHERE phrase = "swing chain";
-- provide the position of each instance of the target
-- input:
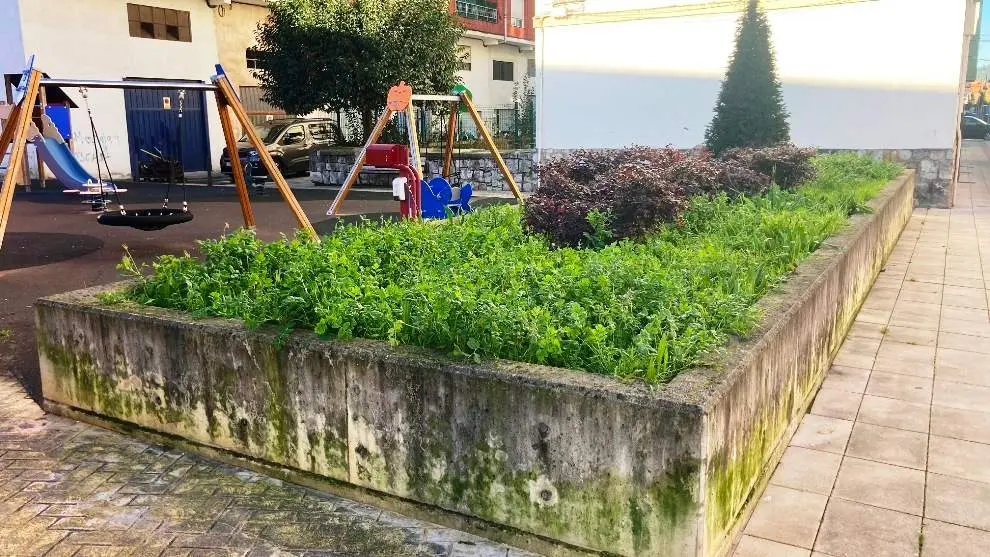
(182, 99)
(98, 151)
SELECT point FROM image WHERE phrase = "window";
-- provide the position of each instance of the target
(464, 54)
(321, 132)
(531, 67)
(482, 10)
(253, 62)
(502, 71)
(294, 135)
(147, 22)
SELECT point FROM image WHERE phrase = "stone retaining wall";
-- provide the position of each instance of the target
(934, 186)
(558, 461)
(330, 167)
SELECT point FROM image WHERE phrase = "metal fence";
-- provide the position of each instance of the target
(258, 110)
(511, 127)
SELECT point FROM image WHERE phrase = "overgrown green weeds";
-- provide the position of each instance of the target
(481, 287)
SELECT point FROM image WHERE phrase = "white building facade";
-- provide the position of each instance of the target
(108, 40)
(880, 75)
(183, 40)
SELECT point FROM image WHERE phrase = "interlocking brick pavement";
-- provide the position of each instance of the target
(68, 488)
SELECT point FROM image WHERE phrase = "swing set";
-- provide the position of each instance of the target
(417, 197)
(17, 131)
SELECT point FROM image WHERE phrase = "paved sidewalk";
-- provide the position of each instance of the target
(67, 488)
(894, 457)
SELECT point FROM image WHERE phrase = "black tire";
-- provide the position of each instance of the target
(280, 164)
(986, 136)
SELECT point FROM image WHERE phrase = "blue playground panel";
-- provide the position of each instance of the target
(438, 196)
(59, 115)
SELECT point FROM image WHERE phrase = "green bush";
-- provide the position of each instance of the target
(750, 109)
(786, 165)
(481, 287)
(629, 188)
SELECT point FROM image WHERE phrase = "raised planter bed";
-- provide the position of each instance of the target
(557, 461)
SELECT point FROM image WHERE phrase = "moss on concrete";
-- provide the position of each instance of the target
(605, 511)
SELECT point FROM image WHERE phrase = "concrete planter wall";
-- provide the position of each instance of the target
(558, 461)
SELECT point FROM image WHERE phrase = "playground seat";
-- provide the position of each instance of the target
(438, 196)
(435, 198)
(460, 201)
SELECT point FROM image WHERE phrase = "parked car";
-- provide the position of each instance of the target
(974, 128)
(289, 142)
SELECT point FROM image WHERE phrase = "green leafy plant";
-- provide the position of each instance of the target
(601, 232)
(481, 286)
(750, 108)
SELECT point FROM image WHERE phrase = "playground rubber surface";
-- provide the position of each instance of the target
(70, 488)
(54, 244)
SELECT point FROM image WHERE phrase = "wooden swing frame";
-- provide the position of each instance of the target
(16, 131)
(400, 100)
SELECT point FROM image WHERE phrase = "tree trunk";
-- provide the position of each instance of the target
(367, 122)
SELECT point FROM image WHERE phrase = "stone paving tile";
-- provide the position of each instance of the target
(72, 489)
(916, 314)
(844, 378)
(949, 540)
(787, 516)
(963, 296)
(823, 434)
(962, 367)
(898, 414)
(900, 386)
(961, 395)
(835, 403)
(807, 470)
(881, 485)
(958, 501)
(919, 445)
(911, 335)
(863, 329)
(851, 529)
(969, 343)
(962, 459)
(909, 359)
(758, 547)
(961, 424)
(968, 314)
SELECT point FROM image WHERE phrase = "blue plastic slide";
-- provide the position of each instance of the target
(63, 164)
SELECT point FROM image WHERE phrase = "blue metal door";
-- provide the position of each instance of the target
(153, 124)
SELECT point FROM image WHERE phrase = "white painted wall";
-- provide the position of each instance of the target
(485, 91)
(89, 39)
(871, 75)
(12, 45)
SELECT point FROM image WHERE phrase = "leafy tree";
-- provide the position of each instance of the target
(524, 101)
(750, 109)
(345, 54)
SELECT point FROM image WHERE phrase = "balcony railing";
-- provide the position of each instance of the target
(472, 10)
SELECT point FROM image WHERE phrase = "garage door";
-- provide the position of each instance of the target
(153, 124)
